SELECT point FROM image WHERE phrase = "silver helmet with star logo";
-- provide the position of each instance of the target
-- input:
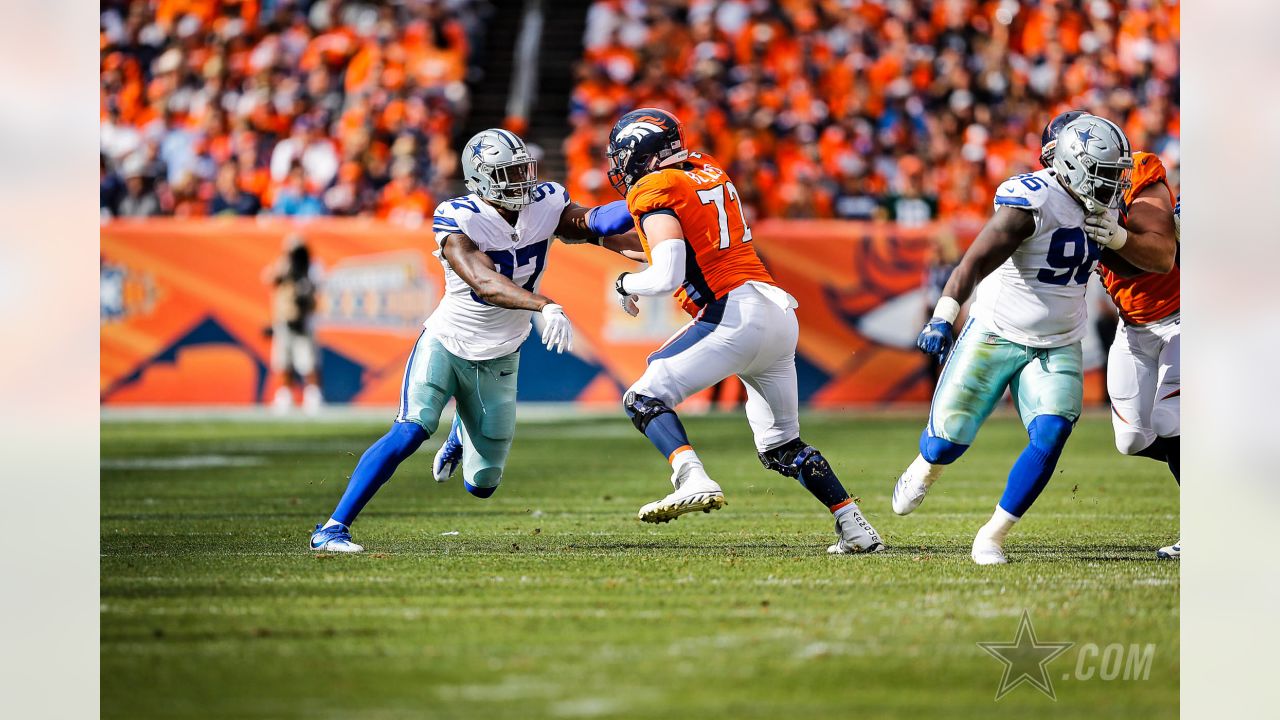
(1093, 160)
(497, 166)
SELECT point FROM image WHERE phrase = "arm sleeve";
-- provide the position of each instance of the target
(610, 219)
(663, 275)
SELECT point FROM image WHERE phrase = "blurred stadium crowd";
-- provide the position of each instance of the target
(291, 107)
(901, 109)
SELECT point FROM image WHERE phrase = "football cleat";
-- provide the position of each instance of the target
(987, 551)
(1173, 552)
(449, 456)
(696, 492)
(908, 493)
(335, 538)
(854, 534)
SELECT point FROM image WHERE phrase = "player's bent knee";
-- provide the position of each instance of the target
(1166, 421)
(1049, 432)
(484, 482)
(1132, 443)
(404, 438)
(940, 451)
(643, 409)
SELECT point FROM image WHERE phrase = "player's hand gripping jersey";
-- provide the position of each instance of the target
(1036, 297)
(1147, 297)
(719, 257)
(466, 325)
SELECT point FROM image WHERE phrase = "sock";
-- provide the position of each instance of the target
(666, 432)
(820, 480)
(998, 527)
(925, 471)
(331, 522)
(683, 456)
(1167, 450)
(376, 467)
(1034, 467)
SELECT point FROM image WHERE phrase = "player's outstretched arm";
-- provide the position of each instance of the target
(667, 259)
(1148, 240)
(1002, 235)
(609, 226)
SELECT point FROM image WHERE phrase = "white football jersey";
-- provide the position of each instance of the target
(467, 326)
(1037, 297)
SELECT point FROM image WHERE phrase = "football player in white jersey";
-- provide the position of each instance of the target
(1033, 260)
(493, 245)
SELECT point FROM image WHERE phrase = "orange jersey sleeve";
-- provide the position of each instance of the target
(1149, 296)
(720, 255)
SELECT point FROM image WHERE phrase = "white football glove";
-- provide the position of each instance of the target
(1104, 229)
(628, 303)
(557, 332)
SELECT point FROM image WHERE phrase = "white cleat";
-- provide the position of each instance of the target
(696, 492)
(1173, 552)
(986, 551)
(282, 401)
(908, 493)
(335, 538)
(854, 535)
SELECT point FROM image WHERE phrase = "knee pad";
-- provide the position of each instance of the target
(642, 409)
(404, 438)
(939, 451)
(1049, 432)
(1132, 443)
(483, 483)
(794, 459)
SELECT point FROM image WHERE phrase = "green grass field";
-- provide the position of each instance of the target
(551, 600)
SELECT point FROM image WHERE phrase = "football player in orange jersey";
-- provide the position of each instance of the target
(695, 236)
(1140, 272)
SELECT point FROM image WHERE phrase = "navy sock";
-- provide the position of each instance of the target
(1034, 467)
(666, 432)
(820, 480)
(1168, 450)
(376, 466)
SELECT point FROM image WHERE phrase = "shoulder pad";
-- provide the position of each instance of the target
(1029, 190)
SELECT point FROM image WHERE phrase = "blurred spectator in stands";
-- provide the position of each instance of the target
(199, 85)
(293, 198)
(939, 100)
(110, 189)
(403, 200)
(139, 198)
(228, 197)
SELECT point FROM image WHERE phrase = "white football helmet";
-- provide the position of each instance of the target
(1093, 160)
(497, 166)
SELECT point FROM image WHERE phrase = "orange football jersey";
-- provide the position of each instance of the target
(720, 257)
(1146, 297)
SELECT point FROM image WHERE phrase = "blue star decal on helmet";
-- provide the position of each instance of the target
(1085, 136)
(478, 148)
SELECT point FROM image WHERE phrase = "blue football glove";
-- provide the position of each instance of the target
(936, 338)
(611, 219)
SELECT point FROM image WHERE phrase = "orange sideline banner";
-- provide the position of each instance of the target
(184, 311)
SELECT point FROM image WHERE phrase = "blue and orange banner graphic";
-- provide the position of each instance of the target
(184, 311)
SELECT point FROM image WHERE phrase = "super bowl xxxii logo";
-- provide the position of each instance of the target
(123, 292)
(1026, 660)
(386, 291)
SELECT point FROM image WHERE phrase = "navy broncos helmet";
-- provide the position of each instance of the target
(1049, 138)
(642, 141)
